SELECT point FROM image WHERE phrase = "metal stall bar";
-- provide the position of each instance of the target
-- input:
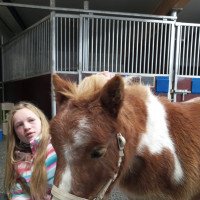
(80, 49)
(24, 53)
(129, 45)
(123, 46)
(195, 55)
(171, 64)
(53, 60)
(198, 53)
(176, 68)
(67, 43)
(153, 49)
(189, 50)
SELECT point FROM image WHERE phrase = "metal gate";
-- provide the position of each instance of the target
(187, 54)
(85, 43)
(125, 45)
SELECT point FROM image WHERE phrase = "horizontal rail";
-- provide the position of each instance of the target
(86, 11)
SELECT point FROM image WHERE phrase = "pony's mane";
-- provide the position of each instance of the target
(93, 84)
(87, 87)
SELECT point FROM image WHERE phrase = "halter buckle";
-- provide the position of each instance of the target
(121, 141)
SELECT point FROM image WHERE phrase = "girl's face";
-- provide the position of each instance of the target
(27, 125)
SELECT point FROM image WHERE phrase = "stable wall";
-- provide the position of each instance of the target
(36, 90)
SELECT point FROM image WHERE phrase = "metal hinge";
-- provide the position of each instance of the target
(182, 92)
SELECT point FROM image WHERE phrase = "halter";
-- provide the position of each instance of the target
(59, 194)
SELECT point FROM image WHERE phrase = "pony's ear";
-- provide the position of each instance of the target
(112, 95)
(60, 86)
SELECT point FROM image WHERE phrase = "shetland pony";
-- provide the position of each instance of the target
(109, 133)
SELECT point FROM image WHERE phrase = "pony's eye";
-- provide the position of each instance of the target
(98, 152)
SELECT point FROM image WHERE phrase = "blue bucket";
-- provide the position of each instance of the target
(1, 135)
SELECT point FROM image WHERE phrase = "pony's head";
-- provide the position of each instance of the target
(85, 135)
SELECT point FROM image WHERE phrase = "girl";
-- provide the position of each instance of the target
(31, 159)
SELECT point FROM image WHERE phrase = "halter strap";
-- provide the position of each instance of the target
(59, 194)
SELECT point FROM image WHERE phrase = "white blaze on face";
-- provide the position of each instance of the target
(80, 136)
(65, 183)
(157, 137)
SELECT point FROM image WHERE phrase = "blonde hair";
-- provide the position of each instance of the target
(38, 182)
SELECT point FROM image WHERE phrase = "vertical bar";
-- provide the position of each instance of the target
(100, 48)
(161, 49)
(96, 49)
(125, 42)
(197, 73)
(56, 51)
(137, 39)
(53, 59)
(78, 42)
(43, 46)
(113, 40)
(145, 42)
(120, 60)
(129, 46)
(117, 45)
(149, 44)
(39, 49)
(92, 44)
(46, 46)
(83, 41)
(153, 49)
(180, 50)
(69, 67)
(195, 46)
(178, 40)
(85, 52)
(141, 43)
(183, 54)
(187, 52)
(133, 47)
(104, 56)
(108, 43)
(156, 56)
(49, 44)
(73, 43)
(65, 43)
(30, 46)
(33, 49)
(36, 53)
(80, 63)
(164, 48)
(61, 50)
(168, 48)
(191, 51)
(86, 56)
(3, 57)
(171, 64)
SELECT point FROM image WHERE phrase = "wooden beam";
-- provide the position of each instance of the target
(166, 6)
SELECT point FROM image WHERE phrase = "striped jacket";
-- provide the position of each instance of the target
(25, 169)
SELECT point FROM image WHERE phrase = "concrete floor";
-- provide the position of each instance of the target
(2, 162)
(116, 194)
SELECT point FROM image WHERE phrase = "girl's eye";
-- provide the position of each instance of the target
(31, 120)
(18, 125)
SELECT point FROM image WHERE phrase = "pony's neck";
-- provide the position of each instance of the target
(153, 141)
